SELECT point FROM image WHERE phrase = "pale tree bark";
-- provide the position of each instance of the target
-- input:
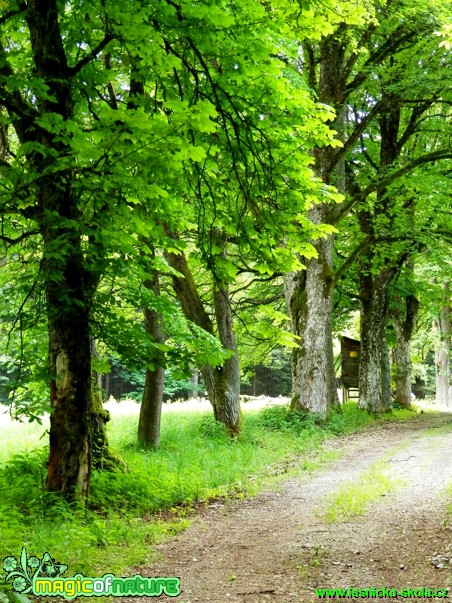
(309, 300)
(386, 393)
(442, 352)
(152, 400)
(404, 321)
(309, 295)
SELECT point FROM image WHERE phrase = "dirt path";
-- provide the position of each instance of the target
(277, 548)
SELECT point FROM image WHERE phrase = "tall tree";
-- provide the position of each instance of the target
(342, 75)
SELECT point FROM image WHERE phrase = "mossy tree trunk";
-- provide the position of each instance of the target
(376, 271)
(70, 369)
(226, 377)
(374, 298)
(68, 295)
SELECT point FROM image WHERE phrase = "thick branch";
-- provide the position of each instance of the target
(18, 239)
(389, 179)
(376, 58)
(359, 249)
(90, 56)
(354, 136)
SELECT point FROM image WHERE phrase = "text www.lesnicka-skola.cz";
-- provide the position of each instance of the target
(382, 593)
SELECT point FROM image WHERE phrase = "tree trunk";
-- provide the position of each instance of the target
(402, 375)
(70, 369)
(404, 323)
(386, 393)
(374, 375)
(102, 458)
(227, 391)
(151, 403)
(222, 382)
(374, 294)
(309, 297)
(442, 353)
(68, 295)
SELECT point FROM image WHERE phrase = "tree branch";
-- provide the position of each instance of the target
(386, 181)
(354, 136)
(365, 243)
(90, 56)
(20, 238)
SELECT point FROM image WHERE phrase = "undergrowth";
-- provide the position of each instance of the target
(132, 510)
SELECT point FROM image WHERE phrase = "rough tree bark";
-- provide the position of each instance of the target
(404, 321)
(386, 392)
(374, 296)
(70, 369)
(227, 376)
(374, 279)
(221, 382)
(68, 304)
(151, 403)
(309, 299)
(442, 352)
(309, 295)
(102, 457)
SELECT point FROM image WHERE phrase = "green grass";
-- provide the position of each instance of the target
(354, 498)
(196, 462)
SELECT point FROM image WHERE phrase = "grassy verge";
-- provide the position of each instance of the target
(131, 511)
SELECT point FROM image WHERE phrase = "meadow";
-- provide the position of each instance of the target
(156, 491)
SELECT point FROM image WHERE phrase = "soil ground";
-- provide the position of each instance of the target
(277, 548)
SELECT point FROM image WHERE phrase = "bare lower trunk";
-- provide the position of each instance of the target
(151, 408)
(404, 323)
(442, 353)
(227, 376)
(102, 458)
(151, 403)
(386, 393)
(309, 298)
(403, 372)
(222, 382)
(309, 295)
(372, 361)
(70, 387)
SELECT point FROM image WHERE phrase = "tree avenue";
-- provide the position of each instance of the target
(218, 133)
(165, 167)
(363, 70)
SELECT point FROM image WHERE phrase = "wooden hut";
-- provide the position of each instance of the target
(350, 350)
